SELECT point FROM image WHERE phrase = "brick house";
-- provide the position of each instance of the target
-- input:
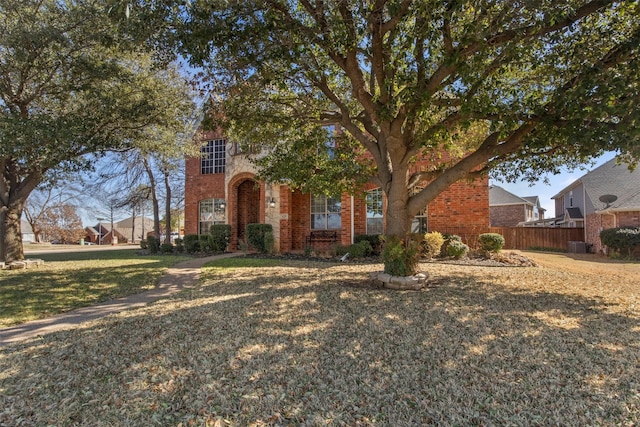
(221, 187)
(606, 197)
(508, 210)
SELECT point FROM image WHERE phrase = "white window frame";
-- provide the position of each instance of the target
(374, 211)
(326, 212)
(213, 157)
(210, 212)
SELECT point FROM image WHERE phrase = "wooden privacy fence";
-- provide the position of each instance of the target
(539, 237)
(522, 237)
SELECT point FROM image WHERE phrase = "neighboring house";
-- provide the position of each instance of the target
(508, 210)
(221, 188)
(606, 197)
(27, 233)
(124, 231)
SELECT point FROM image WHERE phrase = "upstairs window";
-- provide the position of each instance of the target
(213, 157)
(375, 215)
(325, 212)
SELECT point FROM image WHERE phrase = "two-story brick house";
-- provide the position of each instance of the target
(221, 187)
(606, 197)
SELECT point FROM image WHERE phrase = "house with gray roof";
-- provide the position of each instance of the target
(508, 210)
(606, 197)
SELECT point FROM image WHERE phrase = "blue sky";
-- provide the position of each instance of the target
(556, 184)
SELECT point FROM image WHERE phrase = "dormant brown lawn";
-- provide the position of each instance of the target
(304, 344)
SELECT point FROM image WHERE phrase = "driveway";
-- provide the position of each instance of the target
(587, 263)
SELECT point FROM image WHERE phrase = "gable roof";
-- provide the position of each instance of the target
(498, 196)
(611, 179)
(574, 213)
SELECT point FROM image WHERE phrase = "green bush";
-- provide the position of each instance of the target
(143, 244)
(448, 238)
(256, 236)
(373, 239)
(269, 242)
(220, 237)
(457, 249)
(623, 240)
(362, 249)
(431, 244)
(491, 242)
(166, 248)
(192, 243)
(153, 244)
(179, 245)
(206, 243)
(400, 257)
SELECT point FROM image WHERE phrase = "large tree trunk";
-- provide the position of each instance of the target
(154, 199)
(167, 207)
(11, 248)
(398, 217)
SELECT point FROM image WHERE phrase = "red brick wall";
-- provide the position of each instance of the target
(462, 209)
(506, 216)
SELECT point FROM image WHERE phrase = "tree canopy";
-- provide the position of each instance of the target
(515, 87)
(71, 87)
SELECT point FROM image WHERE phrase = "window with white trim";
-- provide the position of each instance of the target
(375, 214)
(325, 212)
(210, 211)
(213, 157)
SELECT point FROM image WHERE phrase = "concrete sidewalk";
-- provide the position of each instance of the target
(181, 276)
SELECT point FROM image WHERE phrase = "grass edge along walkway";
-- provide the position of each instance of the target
(181, 276)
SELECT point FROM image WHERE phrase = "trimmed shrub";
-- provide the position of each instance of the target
(220, 237)
(361, 249)
(400, 257)
(448, 238)
(373, 239)
(153, 244)
(431, 244)
(491, 242)
(269, 242)
(457, 249)
(179, 245)
(192, 243)
(166, 248)
(623, 240)
(255, 236)
(206, 243)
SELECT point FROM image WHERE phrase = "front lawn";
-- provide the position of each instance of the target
(76, 279)
(314, 344)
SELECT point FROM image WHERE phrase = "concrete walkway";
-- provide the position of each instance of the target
(181, 276)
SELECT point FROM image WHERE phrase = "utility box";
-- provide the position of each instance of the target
(577, 248)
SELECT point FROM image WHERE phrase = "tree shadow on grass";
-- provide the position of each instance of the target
(293, 346)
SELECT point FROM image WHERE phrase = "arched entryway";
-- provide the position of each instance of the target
(248, 208)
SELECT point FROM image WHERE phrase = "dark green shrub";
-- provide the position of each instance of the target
(256, 236)
(166, 248)
(340, 250)
(491, 242)
(206, 243)
(269, 242)
(448, 238)
(220, 237)
(179, 245)
(192, 243)
(457, 249)
(623, 240)
(373, 239)
(362, 249)
(431, 244)
(400, 257)
(153, 244)
(143, 244)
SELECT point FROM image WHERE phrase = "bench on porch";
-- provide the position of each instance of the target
(322, 236)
